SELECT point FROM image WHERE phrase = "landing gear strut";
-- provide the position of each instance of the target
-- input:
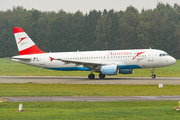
(101, 76)
(153, 75)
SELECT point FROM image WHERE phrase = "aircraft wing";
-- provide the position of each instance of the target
(88, 64)
(84, 63)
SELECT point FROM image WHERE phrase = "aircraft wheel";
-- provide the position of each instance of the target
(153, 76)
(91, 76)
(101, 76)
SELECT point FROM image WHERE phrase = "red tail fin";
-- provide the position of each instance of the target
(25, 44)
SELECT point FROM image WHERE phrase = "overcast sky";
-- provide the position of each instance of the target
(83, 5)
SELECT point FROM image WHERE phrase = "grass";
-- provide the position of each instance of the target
(123, 110)
(8, 67)
(29, 89)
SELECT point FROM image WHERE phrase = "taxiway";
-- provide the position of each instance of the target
(90, 98)
(85, 80)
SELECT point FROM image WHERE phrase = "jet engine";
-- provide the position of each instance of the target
(109, 70)
(126, 71)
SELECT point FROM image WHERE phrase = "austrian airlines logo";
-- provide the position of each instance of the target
(137, 54)
(21, 39)
(51, 59)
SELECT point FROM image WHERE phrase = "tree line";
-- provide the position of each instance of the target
(157, 28)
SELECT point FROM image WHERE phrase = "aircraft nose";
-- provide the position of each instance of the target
(172, 60)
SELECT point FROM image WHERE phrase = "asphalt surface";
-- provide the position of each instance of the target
(90, 98)
(85, 80)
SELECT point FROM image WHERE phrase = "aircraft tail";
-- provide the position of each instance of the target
(24, 43)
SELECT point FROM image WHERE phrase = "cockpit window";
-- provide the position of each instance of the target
(163, 54)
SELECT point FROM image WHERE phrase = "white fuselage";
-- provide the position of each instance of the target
(125, 59)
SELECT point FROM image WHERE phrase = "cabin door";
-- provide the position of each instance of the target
(150, 56)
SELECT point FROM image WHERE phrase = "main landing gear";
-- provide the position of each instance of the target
(153, 75)
(92, 76)
(101, 76)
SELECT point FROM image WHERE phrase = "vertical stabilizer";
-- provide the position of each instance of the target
(24, 43)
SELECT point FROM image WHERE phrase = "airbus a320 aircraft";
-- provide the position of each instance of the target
(110, 62)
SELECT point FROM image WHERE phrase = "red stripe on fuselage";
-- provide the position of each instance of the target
(31, 50)
(17, 29)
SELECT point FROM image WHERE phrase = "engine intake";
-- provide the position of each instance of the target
(109, 70)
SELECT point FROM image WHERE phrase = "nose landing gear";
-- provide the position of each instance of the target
(153, 75)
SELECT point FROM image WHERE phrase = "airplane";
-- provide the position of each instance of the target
(109, 62)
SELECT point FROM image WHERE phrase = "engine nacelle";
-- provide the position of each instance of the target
(126, 71)
(109, 70)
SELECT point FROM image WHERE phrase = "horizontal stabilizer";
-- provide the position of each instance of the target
(20, 58)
